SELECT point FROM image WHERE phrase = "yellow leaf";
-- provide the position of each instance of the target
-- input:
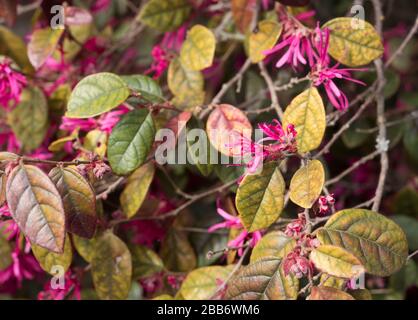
(50, 260)
(42, 44)
(181, 80)
(263, 39)
(328, 293)
(198, 49)
(336, 261)
(353, 42)
(260, 197)
(96, 141)
(379, 243)
(136, 189)
(111, 267)
(307, 113)
(307, 183)
(165, 15)
(202, 283)
(273, 244)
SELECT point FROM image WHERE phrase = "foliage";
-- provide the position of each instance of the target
(208, 150)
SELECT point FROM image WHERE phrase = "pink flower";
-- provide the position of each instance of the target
(323, 74)
(296, 227)
(23, 267)
(100, 5)
(71, 289)
(296, 264)
(324, 202)
(296, 37)
(234, 222)
(11, 83)
(173, 40)
(282, 142)
(160, 63)
(105, 122)
(108, 120)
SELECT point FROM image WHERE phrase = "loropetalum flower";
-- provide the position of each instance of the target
(295, 228)
(71, 289)
(277, 144)
(160, 62)
(324, 202)
(11, 83)
(297, 262)
(234, 222)
(105, 122)
(24, 267)
(323, 74)
(296, 38)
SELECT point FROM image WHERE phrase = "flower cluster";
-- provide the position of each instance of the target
(69, 289)
(277, 144)
(234, 222)
(12, 83)
(297, 262)
(324, 203)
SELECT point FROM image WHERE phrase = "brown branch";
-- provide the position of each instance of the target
(382, 143)
(273, 96)
(354, 166)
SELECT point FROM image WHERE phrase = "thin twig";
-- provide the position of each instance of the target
(403, 44)
(382, 143)
(225, 87)
(354, 166)
(273, 96)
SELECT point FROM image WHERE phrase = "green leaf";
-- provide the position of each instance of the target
(182, 81)
(145, 262)
(36, 206)
(85, 247)
(260, 197)
(79, 200)
(307, 113)
(410, 142)
(165, 15)
(5, 253)
(351, 43)
(14, 47)
(262, 39)
(130, 141)
(274, 244)
(136, 189)
(406, 201)
(202, 283)
(29, 120)
(199, 144)
(198, 49)
(307, 183)
(42, 44)
(111, 267)
(96, 94)
(176, 251)
(406, 277)
(147, 88)
(50, 260)
(263, 280)
(328, 293)
(376, 241)
(360, 294)
(410, 226)
(336, 261)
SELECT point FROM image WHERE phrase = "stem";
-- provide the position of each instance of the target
(274, 99)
